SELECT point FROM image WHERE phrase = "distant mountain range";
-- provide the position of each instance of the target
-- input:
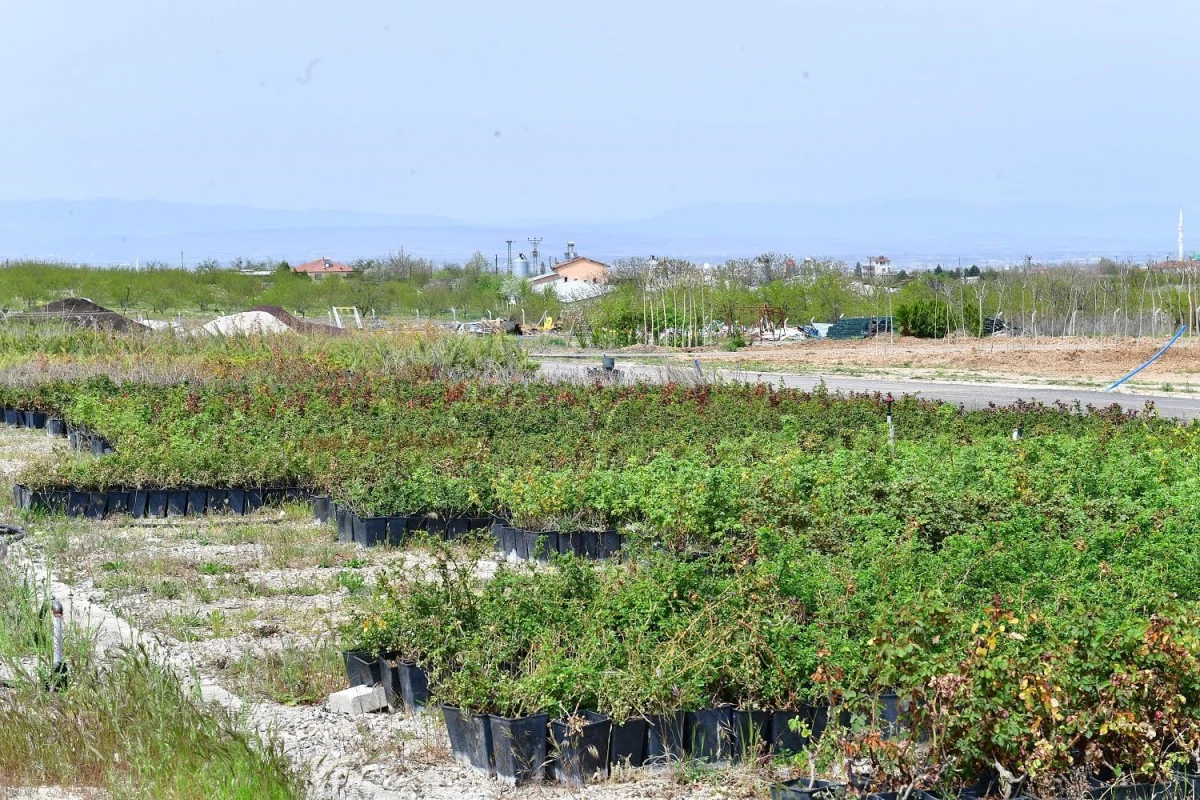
(911, 233)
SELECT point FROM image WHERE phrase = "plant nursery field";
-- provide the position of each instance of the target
(677, 590)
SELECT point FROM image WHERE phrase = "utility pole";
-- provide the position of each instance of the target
(534, 253)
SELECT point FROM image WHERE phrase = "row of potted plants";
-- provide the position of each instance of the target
(20, 418)
(154, 503)
(931, 691)
(511, 542)
(685, 465)
(583, 745)
(80, 439)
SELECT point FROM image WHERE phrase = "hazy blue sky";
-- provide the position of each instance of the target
(505, 111)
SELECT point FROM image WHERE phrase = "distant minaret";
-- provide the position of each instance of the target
(1181, 235)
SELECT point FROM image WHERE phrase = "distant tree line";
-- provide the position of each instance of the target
(660, 299)
(397, 284)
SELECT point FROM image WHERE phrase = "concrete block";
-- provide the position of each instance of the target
(358, 700)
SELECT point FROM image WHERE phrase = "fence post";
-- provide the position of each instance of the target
(57, 610)
(891, 425)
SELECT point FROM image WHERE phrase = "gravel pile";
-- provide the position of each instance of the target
(247, 322)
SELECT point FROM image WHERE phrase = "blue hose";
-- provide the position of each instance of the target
(1153, 358)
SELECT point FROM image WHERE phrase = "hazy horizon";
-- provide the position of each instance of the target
(915, 233)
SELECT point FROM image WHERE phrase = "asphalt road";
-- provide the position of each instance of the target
(970, 395)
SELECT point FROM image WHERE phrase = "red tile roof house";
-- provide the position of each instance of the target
(322, 267)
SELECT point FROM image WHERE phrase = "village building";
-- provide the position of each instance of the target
(576, 278)
(323, 268)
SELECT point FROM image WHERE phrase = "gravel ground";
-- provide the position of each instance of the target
(205, 593)
(1068, 360)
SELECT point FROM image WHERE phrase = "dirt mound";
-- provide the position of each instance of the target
(84, 313)
(295, 323)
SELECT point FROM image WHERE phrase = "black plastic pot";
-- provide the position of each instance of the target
(77, 503)
(708, 734)
(177, 504)
(253, 501)
(217, 501)
(591, 544)
(389, 674)
(97, 504)
(273, 497)
(58, 500)
(436, 526)
(496, 529)
(376, 530)
(397, 531)
(296, 494)
(35, 420)
(540, 546)
(414, 686)
(519, 747)
(97, 446)
(368, 531)
(470, 738)
(914, 794)
(350, 659)
(987, 783)
(1130, 791)
(237, 502)
(509, 539)
(41, 500)
(627, 744)
(888, 713)
(56, 427)
(118, 502)
(521, 544)
(367, 665)
(569, 543)
(21, 496)
(320, 507)
(784, 740)
(805, 789)
(1187, 784)
(13, 418)
(664, 738)
(580, 751)
(751, 733)
(610, 544)
(197, 502)
(156, 504)
(513, 540)
(461, 526)
(345, 524)
(139, 501)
